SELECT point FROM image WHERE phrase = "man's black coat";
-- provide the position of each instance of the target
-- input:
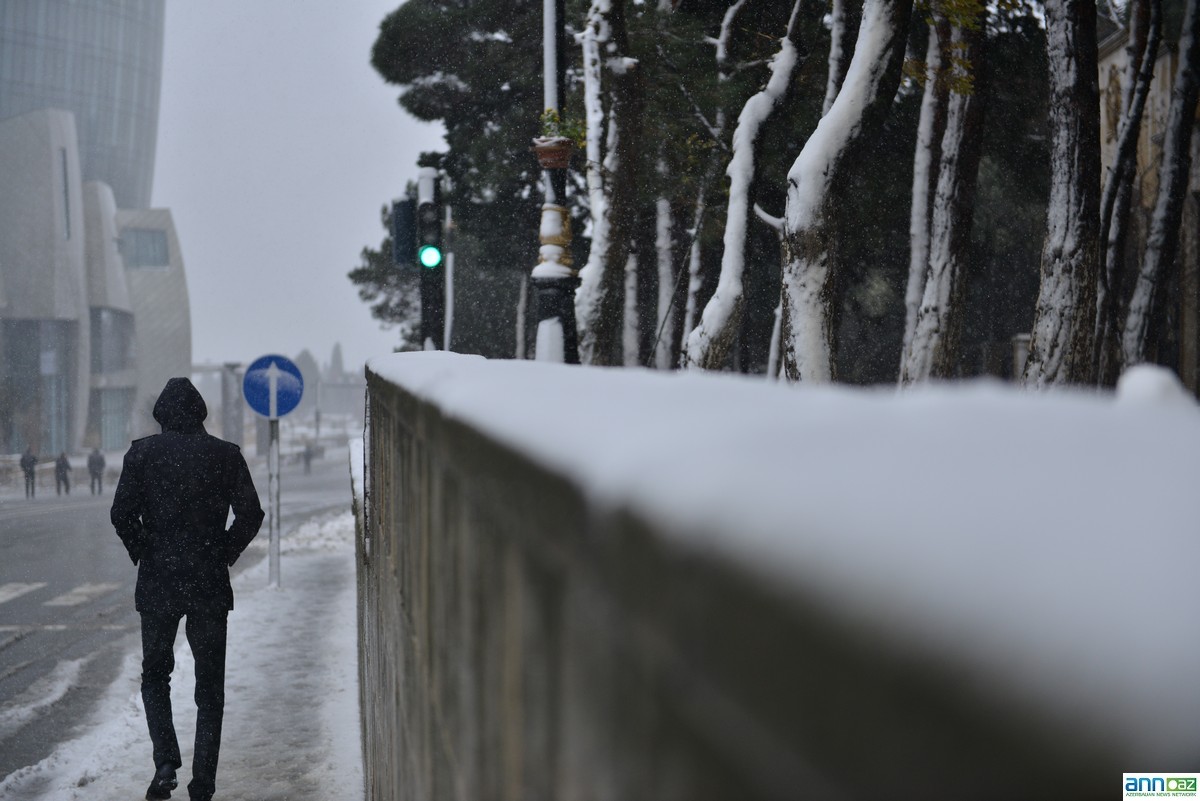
(171, 504)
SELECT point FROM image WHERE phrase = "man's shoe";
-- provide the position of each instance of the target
(162, 784)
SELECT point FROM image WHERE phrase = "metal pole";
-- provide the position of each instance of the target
(554, 278)
(551, 20)
(448, 304)
(273, 502)
(449, 329)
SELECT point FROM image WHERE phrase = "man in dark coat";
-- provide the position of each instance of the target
(62, 474)
(96, 470)
(29, 468)
(170, 508)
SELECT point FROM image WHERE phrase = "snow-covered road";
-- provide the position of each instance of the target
(291, 711)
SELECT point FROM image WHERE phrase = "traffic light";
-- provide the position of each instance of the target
(429, 236)
(430, 259)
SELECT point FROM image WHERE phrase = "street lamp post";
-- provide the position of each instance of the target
(554, 278)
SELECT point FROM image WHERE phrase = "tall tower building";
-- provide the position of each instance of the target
(94, 311)
(102, 61)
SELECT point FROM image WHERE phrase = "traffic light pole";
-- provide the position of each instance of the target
(430, 261)
(448, 284)
(554, 278)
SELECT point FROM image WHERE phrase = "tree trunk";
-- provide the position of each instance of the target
(1060, 347)
(1162, 243)
(1189, 292)
(821, 168)
(664, 248)
(930, 128)
(629, 320)
(599, 301)
(695, 261)
(708, 345)
(522, 301)
(695, 279)
(934, 350)
(845, 16)
(593, 282)
(1145, 32)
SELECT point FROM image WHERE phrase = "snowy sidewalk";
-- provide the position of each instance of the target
(291, 729)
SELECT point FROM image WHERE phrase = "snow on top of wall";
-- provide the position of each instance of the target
(1044, 541)
(357, 473)
(1152, 385)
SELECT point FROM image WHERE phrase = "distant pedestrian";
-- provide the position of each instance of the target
(29, 462)
(62, 474)
(308, 457)
(96, 471)
(169, 509)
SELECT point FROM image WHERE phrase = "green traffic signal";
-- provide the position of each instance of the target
(430, 256)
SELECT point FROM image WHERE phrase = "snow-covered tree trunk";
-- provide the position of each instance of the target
(933, 350)
(1060, 348)
(1162, 242)
(845, 16)
(930, 127)
(774, 360)
(522, 301)
(599, 300)
(700, 210)
(818, 172)
(629, 320)
(664, 249)
(595, 36)
(1145, 32)
(695, 280)
(708, 345)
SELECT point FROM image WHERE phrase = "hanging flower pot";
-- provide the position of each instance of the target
(553, 152)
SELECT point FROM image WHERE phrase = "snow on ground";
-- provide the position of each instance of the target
(291, 727)
(1043, 543)
(43, 693)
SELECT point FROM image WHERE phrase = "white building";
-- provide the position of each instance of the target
(94, 314)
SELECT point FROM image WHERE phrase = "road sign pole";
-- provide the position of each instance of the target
(272, 387)
(273, 501)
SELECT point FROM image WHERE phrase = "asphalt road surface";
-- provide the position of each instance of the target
(66, 601)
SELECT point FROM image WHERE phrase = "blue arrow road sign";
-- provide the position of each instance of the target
(273, 385)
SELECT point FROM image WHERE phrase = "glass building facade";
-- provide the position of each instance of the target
(100, 60)
(37, 386)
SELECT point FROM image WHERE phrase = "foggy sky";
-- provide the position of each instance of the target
(277, 146)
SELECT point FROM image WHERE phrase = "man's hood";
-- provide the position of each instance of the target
(180, 407)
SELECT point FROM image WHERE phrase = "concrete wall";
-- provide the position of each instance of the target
(518, 642)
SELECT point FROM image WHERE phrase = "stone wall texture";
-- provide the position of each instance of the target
(518, 644)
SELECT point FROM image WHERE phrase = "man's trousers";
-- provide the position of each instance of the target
(206, 636)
